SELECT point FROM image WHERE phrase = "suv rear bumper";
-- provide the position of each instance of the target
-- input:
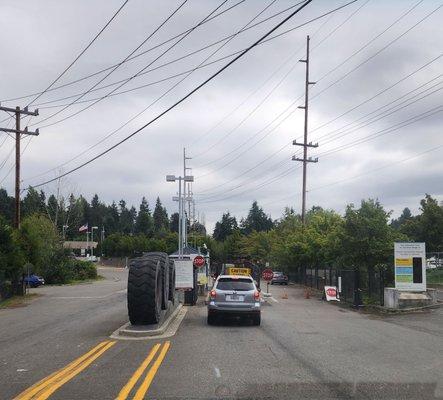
(248, 311)
(252, 309)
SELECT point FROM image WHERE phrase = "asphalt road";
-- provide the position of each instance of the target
(305, 349)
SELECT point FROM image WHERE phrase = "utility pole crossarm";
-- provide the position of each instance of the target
(309, 159)
(23, 132)
(310, 144)
(25, 111)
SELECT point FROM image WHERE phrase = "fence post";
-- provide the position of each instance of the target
(357, 291)
(382, 287)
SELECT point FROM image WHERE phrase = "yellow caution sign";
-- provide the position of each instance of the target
(238, 271)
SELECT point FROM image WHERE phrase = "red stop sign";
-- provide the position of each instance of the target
(267, 274)
(331, 292)
(199, 261)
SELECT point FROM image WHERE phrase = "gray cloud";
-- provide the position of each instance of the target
(51, 33)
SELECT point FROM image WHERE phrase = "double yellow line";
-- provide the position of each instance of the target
(44, 388)
(143, 388)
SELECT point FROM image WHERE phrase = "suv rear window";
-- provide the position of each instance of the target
(240, 284)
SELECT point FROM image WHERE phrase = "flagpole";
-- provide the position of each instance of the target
(87, 243)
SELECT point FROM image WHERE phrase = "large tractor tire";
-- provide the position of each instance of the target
(171, 281)
(164, 264)
(145, 289)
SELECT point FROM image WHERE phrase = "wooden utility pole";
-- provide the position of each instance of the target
(18, 134)
(305, 160)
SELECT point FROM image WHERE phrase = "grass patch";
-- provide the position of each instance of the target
(434, 276)
(18, 301)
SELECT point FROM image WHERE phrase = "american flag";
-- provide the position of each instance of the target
(83, 228)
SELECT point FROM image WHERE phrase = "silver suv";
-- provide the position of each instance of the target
(234, 295)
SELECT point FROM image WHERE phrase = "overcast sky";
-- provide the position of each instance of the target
(238, 128)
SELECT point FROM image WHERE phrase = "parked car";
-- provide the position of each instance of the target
(34, 280)
(234, 295)
(279, 278)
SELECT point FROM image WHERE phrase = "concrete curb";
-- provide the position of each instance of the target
(403, 310)
(145, 332)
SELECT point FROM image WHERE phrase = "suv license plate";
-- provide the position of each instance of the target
(234, 297)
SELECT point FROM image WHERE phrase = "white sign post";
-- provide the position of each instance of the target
(184, 274)
(410, 266)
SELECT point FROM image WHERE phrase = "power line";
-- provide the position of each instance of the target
(370, 137)
(94, 87)
(385, 131)
(133, 76)
(346, 60)
(187, 55)
(379, 93)
(130, 59)
(158, 99)
(255, 91)
(169, 77)
(286, 19)
(81, 53)
(375, 54)
(339, 133)
(367, 138)
(353, 108)
(155, 101)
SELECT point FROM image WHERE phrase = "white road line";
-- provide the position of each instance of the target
(88, 297)
(274, 299)
(217, 372)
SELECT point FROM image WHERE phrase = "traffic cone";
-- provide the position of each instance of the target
(284, 295)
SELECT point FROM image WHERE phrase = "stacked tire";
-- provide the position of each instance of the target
(151, 285)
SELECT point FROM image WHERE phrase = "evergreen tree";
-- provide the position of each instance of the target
(126, 218)
(225, 227)
(111, 220)
(161, 220)
(144, 223)
(33, 203)
(173, 224)
(256, 220)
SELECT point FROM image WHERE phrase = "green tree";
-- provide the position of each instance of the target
(173, 224)
(11, 257)
(227, 226)
(126, 218)
(256, 220)
(428, 226)
(161, 220)
(40, 243)
(33, 202)
(367, 240)
(6, 206)
(403, 219)
(144, 223)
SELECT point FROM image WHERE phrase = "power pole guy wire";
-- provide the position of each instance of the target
(183, 98)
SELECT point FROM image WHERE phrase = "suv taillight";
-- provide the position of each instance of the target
(212, 294)
(256, 295)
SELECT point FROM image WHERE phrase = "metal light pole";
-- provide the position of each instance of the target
(180, 199)
(64, 227)
(102, 239)
(92, 239)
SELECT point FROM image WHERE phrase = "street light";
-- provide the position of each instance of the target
(92, 239)
(181, 226)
